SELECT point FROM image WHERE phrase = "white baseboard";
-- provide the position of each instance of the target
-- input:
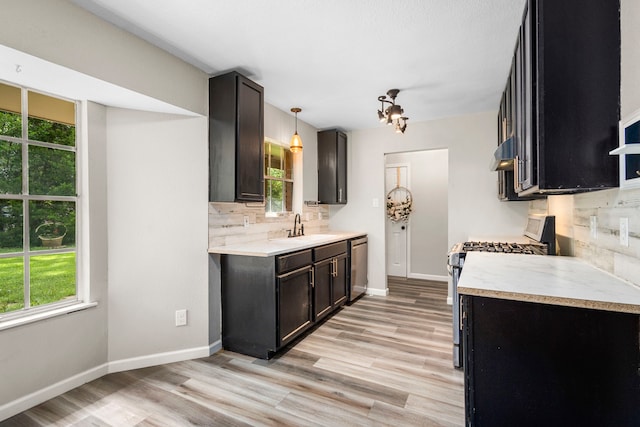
(37, 397)
(158, 359)
(428, 277)
(378, 292)
(215, 347)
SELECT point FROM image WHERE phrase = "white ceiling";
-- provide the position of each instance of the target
(333, 58)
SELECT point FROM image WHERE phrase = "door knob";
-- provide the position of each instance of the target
(403, 227)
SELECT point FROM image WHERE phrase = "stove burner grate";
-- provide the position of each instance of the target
(512, 248)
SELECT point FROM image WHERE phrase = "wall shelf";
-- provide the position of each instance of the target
(626, 149)
(629, 151)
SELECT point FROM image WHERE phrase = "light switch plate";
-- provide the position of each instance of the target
(624, 231)
(593, 226)
(375, 202)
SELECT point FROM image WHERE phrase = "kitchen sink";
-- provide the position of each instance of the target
(311, 238)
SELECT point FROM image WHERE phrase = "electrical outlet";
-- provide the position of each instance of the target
(246, 221)
(593, 226)
(624, 231)
(181, 317)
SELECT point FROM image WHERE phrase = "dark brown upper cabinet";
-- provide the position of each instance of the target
(332, 167)
(563, 96)
(236, 139)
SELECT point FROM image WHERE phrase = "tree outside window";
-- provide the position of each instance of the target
(278, 178)
(38, 199)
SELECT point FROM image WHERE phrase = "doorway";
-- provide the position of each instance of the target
(417, 248)
(396, 177)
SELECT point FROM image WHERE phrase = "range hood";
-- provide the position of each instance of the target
(503, 156)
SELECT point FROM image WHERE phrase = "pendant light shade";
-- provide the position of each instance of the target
(296, 142)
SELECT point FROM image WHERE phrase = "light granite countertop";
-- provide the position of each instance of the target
(553, 280)
(265, 248)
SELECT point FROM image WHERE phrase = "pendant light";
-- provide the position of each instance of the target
(393, 114)
(296, 142)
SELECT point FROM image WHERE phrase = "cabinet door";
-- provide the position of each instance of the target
(339, 283)
(322, 296)
(250, 143)
(327, 167)
(576, 367)
(519, 117)
(528, 164)
(294, 304)
(341, 148)
(332, 167)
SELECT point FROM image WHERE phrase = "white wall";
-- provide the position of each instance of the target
(427, 230)
(156, 180)
(157, 210)
(50, 356)
(473, 204)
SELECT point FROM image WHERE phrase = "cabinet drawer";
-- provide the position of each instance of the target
(293, 261)
(328, 251)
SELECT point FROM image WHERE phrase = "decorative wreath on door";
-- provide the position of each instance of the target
(399, 204)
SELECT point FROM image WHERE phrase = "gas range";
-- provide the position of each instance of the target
(532, 248)
(459, 249)
(539, 234)
(540, 237)
(509, 248)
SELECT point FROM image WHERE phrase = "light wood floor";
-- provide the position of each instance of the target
(380, 362)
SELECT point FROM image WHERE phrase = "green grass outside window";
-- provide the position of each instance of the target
(53, 278)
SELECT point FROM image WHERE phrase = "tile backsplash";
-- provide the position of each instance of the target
(602, 248)
(227, 222)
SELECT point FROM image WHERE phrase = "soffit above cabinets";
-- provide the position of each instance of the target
(26, 70)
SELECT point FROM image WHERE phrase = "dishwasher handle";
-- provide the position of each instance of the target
(358, 242)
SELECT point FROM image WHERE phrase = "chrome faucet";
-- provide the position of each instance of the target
(297, 232)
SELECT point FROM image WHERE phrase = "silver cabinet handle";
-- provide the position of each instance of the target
(312, 273)
(340, 195)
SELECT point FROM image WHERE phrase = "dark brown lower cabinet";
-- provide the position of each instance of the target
(294, 303)
(267, 302)
(340, 280)
(529, 364)
(330, 290)
(322, 297)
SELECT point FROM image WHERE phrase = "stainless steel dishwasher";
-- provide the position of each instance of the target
(359, 265)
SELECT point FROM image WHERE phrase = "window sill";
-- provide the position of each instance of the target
(43, 315)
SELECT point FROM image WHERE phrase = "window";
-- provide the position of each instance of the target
(278, 178)
(38, 200)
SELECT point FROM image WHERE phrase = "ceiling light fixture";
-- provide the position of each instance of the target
(393, 114)
(296, 142)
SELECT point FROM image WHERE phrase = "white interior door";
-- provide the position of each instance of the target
(396, 233)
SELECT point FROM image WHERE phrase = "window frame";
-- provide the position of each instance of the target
(268, 143)
(28, 314)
